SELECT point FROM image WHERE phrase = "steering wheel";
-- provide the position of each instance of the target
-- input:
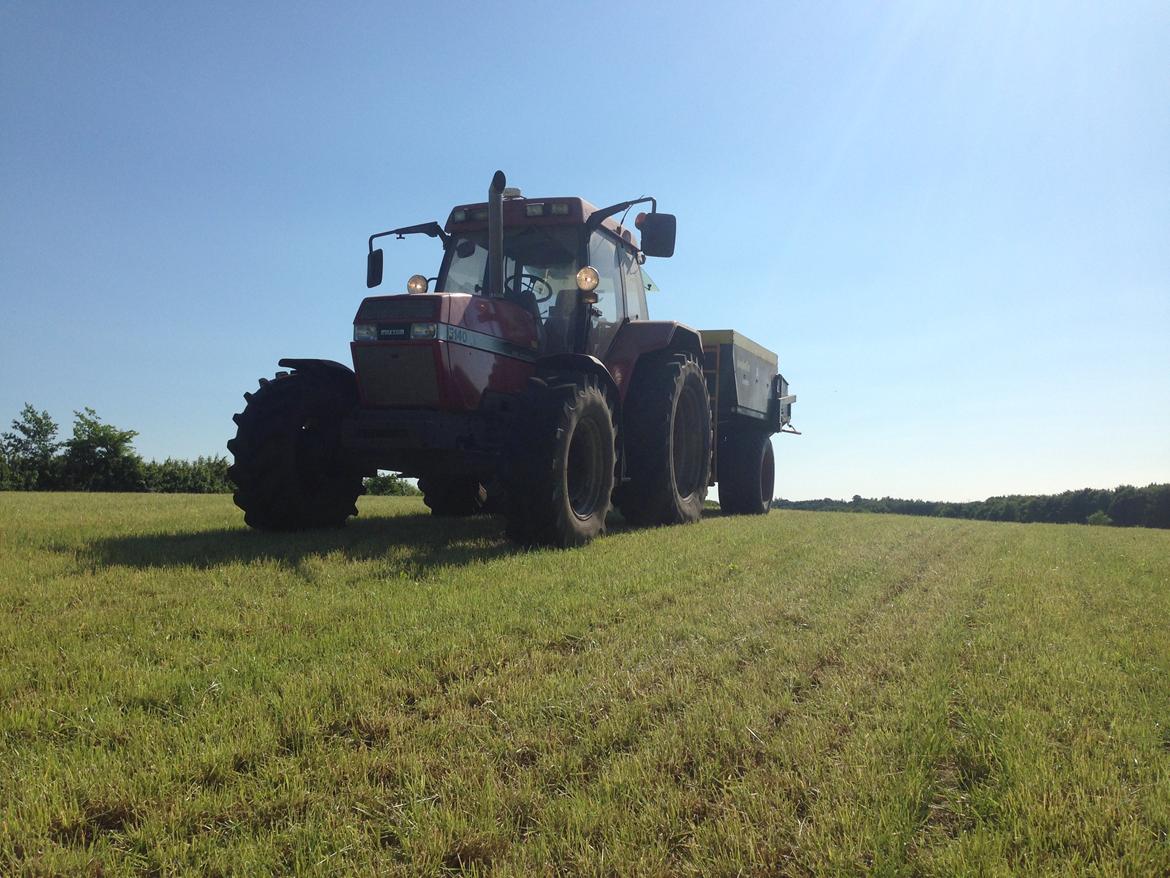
(529, 284)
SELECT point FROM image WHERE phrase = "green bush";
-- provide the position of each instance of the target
(390, 484)
(203, 475)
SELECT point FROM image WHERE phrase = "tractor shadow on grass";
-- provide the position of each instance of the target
(416, 543)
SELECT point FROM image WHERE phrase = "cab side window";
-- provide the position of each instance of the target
(603, 256)
(635, 287)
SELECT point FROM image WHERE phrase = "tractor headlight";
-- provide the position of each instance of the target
(424, 330)
(365, 332)
(417, 285)
(588, 279)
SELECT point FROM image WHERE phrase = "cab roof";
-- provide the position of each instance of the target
(558, 211)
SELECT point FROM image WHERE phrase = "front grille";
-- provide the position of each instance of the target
(397, 308)
(397, 375)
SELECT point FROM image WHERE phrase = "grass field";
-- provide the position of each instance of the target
(805, 693)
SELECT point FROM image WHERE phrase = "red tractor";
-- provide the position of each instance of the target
(532, 380)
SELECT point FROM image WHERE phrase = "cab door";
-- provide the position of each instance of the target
(608, 314)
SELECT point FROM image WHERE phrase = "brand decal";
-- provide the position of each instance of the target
(481, 341)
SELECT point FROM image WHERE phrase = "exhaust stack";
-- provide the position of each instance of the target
(495, 209)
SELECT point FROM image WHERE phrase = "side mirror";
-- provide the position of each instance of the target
(657, 233)
(374, 268)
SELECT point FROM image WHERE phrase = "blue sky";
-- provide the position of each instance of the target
(951, 220)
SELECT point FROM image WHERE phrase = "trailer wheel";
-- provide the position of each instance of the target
(560, 467)
(290, 472)
(747, 472)
(667, 442)
(455, 496)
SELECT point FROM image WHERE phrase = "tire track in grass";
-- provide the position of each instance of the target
(809, 677)
(1047, 770)
(862, 678)
(566, 651)
(858, 693)
(832, 658)
(458, 689)
(815, 669)
(582, 766)
(734, 660)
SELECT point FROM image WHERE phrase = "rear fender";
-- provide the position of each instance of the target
(641, 337)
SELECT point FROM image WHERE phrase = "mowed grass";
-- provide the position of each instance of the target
(796, 694)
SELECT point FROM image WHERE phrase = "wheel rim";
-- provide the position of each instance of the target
(767, 474)
(311, 450)
(584, 470)
(688, 445)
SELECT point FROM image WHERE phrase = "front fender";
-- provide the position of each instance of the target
(583, 363)
(331, 367)
(589, 365)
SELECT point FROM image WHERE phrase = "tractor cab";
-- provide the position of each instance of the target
(571, 268)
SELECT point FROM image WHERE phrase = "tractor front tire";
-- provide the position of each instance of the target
(561, 461)
(667, 442)
(747, 473)
(452, 496)
(290, 472)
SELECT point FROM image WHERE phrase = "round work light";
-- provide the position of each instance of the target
(588, 279)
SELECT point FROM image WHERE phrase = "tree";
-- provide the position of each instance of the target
(389, 484)
(1099, 518)
(1158, 509)
(100, 457)
(1128, 507)
(29, 451)
(7, 476)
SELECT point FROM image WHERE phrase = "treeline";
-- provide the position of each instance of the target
(101, 457)
(97, 457)
(1125, 506)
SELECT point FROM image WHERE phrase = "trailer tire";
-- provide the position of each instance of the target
(559, 471)
(452, 496)
(747, 472)
(290, 471)
(667, 442)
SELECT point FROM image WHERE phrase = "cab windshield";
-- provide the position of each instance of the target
(540, 275)
(540, 260)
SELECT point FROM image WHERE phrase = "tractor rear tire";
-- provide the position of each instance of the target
(452, 496)
(290, 471)
(667, 442)
(747, 472)
(559, 471)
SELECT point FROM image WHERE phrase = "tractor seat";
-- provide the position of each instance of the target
(526, 299)
(560, 318)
